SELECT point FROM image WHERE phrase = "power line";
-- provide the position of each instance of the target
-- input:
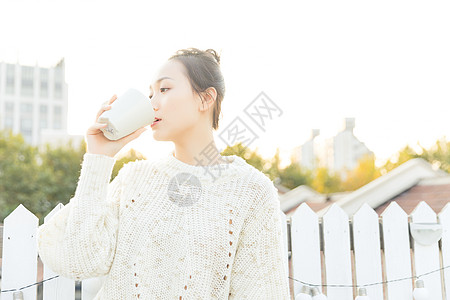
(13, 290)
(369, 284)
(303, 282)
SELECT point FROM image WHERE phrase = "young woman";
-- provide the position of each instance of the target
(192, 225)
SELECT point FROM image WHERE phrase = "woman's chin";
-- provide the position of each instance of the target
(158, 137)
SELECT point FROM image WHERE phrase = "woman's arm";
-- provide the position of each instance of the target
(79, 241)
(258, 270)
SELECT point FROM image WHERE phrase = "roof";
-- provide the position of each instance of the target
(388, 186)
(303, 193)
(281, 188)
(435, 192)
(314, 206)
(295, 197)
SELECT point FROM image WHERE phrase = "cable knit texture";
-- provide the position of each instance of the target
(165, 229)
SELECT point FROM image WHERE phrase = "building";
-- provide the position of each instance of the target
(307, 154)
(339, 153)
(34, 102)
(347, 149)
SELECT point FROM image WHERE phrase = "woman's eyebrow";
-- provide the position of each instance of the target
(161, 79)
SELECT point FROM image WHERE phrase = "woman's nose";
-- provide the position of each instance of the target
(154, 103)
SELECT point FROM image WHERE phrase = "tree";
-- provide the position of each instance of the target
(251, 157)
(294, 175)
(438, 154)
(21, 181)
(364, 173)
(273, 165)
(291, 176)
(131, 155)
(60, 170)
(326, 181)
(402, 156)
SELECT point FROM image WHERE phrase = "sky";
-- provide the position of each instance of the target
(384, 63)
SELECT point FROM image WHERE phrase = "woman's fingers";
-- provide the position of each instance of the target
(95, 128)
(104, 108)
(113, 98)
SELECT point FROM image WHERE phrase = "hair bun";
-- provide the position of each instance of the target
(214, 54)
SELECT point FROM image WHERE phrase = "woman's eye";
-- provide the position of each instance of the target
(160, 90)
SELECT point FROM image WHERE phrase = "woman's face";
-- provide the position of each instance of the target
(174, 101)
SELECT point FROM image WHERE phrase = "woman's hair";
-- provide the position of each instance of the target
(203, 68)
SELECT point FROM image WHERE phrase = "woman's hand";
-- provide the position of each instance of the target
(97, 143)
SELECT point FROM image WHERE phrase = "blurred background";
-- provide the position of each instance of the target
(351, 80)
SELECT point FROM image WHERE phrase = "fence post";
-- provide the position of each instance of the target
(284, 232)
(444, 220)
(18, 295)
(397, 253)
(426, 257)
(305, 245)
(338, 266)
(366, 244)
(19, 262)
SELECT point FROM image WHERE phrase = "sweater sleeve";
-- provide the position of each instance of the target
(258, 271)
(79, 241)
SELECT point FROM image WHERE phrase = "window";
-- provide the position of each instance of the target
(43, 83)
(43, 116)
(9, 115)
(9, 107)
(10, 79)
(26, 88)
(57, 117)
(58, 83)
(26, 108)
(26, 121)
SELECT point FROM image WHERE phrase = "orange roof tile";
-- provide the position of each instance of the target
(436, 196)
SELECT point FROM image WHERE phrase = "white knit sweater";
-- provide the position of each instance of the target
(164, 229)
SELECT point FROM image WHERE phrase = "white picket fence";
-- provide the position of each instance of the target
(363, 250)
(367, 250)
(20, 260)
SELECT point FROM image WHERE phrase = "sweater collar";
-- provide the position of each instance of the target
(210, 173)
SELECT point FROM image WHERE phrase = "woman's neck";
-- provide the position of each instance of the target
(199, 155)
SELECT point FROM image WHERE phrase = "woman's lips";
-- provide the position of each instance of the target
(156, 122)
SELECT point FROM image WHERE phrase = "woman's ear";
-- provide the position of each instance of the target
(209, 97)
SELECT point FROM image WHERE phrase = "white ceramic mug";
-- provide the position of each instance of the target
(128, 113)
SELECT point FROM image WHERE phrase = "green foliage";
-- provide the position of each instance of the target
(293, 176)
(399, 158)
(438, 154)
(251, 157)
(23, 179)
(273, 166)
(40, 179)
(364, 173)
(62, 168)
(325, 181)
(131, 155)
